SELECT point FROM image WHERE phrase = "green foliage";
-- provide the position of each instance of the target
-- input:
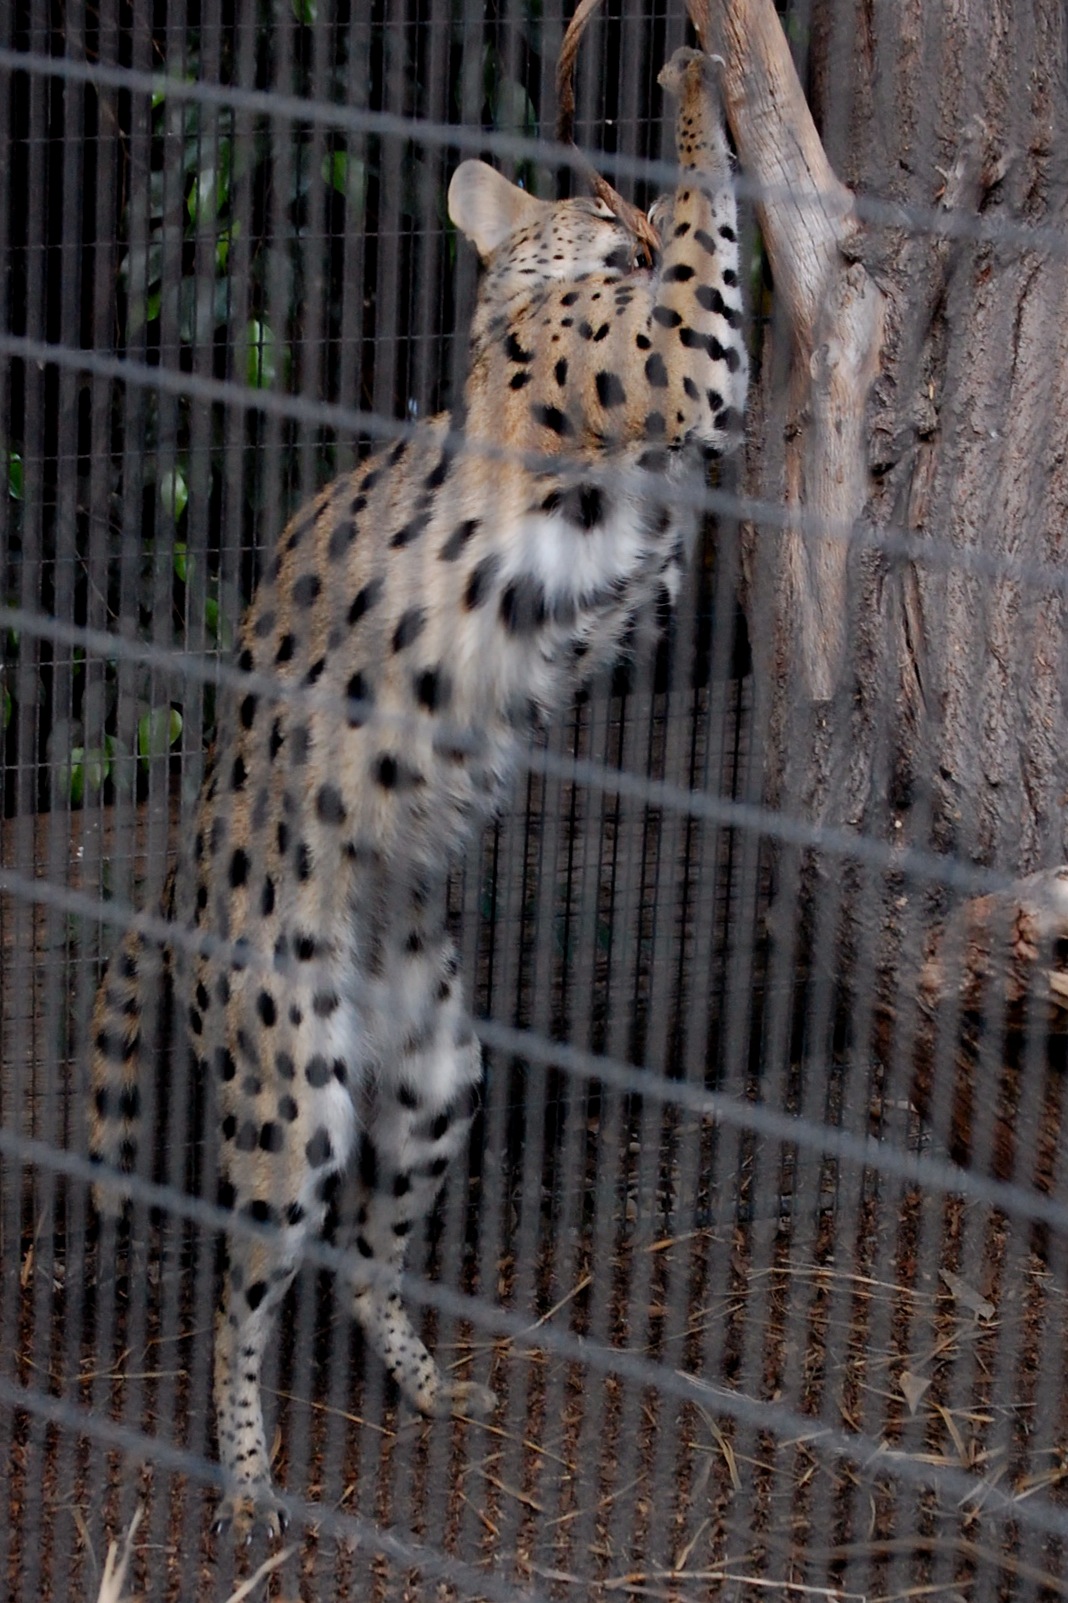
(83, 771)
(13, 461)
(217, 225)
(157, 731)
(262, 367)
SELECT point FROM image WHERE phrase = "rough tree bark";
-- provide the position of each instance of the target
(910, 421)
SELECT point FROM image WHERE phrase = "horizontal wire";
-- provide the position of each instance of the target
(907, 862)
(893, 540)
(944, 1176)
(808, 1135)
(868, 1453)
(390, 1541)
(274, 105)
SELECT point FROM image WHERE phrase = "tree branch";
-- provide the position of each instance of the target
(804, 211)
(834, 309)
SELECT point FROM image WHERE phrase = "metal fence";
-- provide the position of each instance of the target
(741, 1343)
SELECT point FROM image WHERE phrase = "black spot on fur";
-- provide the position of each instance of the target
(329, 805)
(318, 1149)
(583, 505)
(551, 417)
(560, 371)
(393, 774)
(610, 391)
(365, 599)
(284, 653)
(357, 690)
(656, 371)
(677, 273)
(367, 1161)
(386, 771)
(515, 352)
(523, 607)
(307, 589)
(299, 745)
(409, 627)
(247, 1138)
(458, 539)
(408, 534)
(238, 868)
(438, 474)
(433, 689)
(666, 316)
(342, 536)
(317, 1072)
(482, 575)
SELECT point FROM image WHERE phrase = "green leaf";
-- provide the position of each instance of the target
(85, 770)
(306, 11)
(348, 176)
(222, 245)
(157, 731)
(15, 481)
(174, 498)
(210, 191)
(262, 354)
(513, 109)
(218, 624)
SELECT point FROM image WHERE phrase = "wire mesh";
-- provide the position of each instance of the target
(751, 1324)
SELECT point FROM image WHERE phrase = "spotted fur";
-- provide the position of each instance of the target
(418, 616)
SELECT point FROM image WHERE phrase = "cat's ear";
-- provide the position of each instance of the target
(487, 208)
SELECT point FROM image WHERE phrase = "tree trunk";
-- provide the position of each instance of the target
(907, 434)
